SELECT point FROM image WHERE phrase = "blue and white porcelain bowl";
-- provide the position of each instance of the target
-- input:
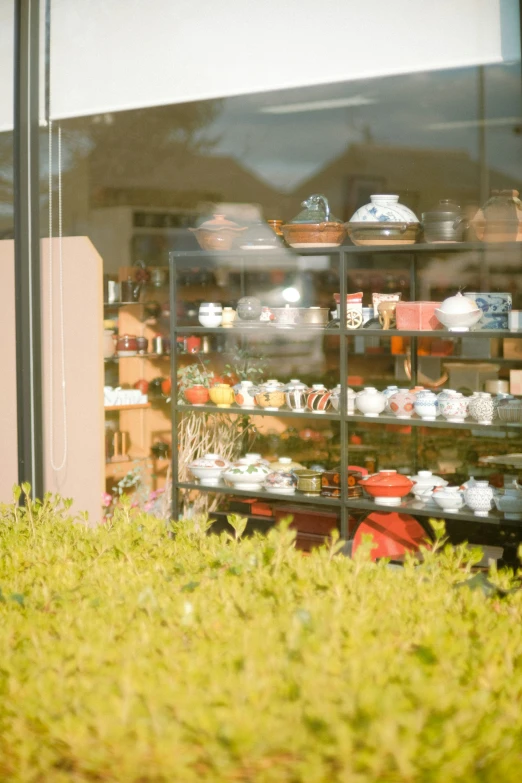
(384, 209)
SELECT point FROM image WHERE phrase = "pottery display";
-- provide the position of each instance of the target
(401, 403)
(453, 406)
(370, 401)
(209, 469)
(387, 487)
(479, 498)
(309, 481)
(449, 499)
(318, 399)
(222, 395)
(481, 407)
(246, 475)
(509, 410)
(228, 317)
(287, 315)
(210, 314)
(418, 316)
(314, 226)
(426, 405)
(335, 399)
(245, 394)
(248, 309)
(495, 308)
(285, 464)
(383, 221)
(445, 222)
(296, 395)
(458, 313)
(282, 482)
(500, 219)
(218, 233)
(126, 345)
(509, 502)
(197, 395)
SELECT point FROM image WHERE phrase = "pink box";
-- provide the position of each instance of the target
(515, 382)
(417, 315)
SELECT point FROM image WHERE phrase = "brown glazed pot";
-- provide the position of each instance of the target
(314, 234)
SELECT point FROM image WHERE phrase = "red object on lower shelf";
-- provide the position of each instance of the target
(394, 533)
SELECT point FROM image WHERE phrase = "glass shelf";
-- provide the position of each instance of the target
(329, 331)
(297, 497)
(137, 356)
(123, 304)
(414, 508)
(442, 423)
(239, 411)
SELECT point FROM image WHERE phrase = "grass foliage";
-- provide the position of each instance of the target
(127, 655)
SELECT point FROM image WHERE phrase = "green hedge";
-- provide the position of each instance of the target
(129, 655)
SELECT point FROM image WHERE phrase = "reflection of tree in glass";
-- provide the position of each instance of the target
(6, 185)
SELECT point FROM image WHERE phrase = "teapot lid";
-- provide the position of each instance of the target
(316, 210)
(218, 223)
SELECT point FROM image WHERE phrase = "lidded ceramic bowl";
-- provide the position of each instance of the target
(285, 464)
(425, 479)
(314, 226)
(209, 469)
(426, 405)
(401, 403)
(244, 474)
(479, 497)
(271, 395)
(318, 399)
(245, 394)
(509, 501)
(453, 406)
(481, 407)
(335, 399)
(449, 499)
(370, 401)
(218, 233)
(282, 482)
(384, 208)
(387, 487)
(296, 395)
(197, 394)
(383, 221)
(445, 222)
(222, 395)
(458, 313)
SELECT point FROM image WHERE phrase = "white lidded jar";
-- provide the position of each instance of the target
(370, 401)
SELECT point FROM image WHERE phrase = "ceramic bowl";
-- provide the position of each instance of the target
(425, 479)
(209, 469)
(271, 400)
(309, 481)
(197, 395)
(245, 394)
(217, 233)
(285, 465)
(454, 407)
(383, 233)
(318, 399)
(401, 403)
(282, 482)
(286, 315)
(370, 401)
(481, 407)
(459, 322)
(384, 208)
(509, 501)
(387, 487)
(449, 499)
(335, 400)
(479, 498)
(246, 475)
(222, 395)
(509, 411)
(303, 235)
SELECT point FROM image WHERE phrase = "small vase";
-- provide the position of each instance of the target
(479, 498)
(425, 405)
(481, 408)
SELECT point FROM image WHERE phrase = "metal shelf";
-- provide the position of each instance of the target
(301, 329)
(415, 508)
(299, 497)
(238, 410)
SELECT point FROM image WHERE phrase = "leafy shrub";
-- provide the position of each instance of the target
(127, 654)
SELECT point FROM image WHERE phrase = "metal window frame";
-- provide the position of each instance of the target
(29, 382)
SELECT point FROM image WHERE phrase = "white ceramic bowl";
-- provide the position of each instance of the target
(209, 469)
(459, 322)
(451, 502)
(246, 475)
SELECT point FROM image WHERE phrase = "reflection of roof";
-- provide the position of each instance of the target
(191, 178)
(421, 175)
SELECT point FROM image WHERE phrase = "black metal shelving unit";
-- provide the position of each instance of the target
(348, 257)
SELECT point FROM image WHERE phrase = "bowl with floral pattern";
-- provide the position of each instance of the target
(209, 469)
(247, 475)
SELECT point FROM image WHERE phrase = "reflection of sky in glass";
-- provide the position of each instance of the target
(408, 111)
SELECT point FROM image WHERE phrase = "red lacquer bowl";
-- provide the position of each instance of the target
(197, 395)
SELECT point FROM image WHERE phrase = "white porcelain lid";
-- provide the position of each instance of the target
(458, 304)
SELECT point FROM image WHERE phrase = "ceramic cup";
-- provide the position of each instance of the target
(210, 314)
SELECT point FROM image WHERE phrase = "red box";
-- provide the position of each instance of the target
(417, 315)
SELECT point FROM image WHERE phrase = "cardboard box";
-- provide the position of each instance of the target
(515, 382)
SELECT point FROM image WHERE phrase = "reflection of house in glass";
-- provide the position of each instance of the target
(420, 176)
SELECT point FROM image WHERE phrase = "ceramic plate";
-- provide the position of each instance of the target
(394, 533)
